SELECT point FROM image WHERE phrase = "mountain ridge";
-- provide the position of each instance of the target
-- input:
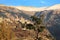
(54, 7)
(27, 8)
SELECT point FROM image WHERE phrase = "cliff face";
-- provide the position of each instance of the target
(52, 21)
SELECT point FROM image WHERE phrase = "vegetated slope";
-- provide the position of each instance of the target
(13, 14)
(16, 32)
(51, 19)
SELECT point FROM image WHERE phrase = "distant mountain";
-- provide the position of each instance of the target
(24, 8)
(30, 8)
(14, 12)
(54, 7)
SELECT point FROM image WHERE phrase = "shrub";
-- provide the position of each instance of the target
(30, 26)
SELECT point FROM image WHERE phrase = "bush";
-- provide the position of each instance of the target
(30, 26)
(41, 28)
(39, 38)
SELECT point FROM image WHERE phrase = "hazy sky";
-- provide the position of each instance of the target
(35, 3)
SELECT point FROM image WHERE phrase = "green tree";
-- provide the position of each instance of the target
(38, 23)
(30, 26)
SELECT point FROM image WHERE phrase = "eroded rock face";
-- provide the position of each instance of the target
(52, 21)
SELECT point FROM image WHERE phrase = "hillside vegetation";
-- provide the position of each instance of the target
(16, 24)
